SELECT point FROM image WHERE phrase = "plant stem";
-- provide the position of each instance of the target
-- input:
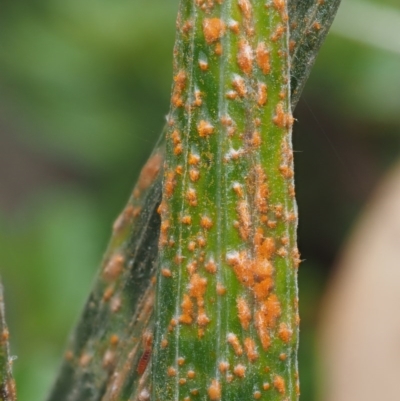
(227, 307)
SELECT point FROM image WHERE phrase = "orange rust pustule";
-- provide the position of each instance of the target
(163, 240)
(262, 94)
(240, 86)
(251, 349)
(263, 58)
(170, 183)
(187, 310)
(233, 340)
(194, 174)
(239, 371)
(282, 119)
(211, 266)
(206, 222)
(244, 312)
(180, 83)
(244, 219)
(258, 180)
(213, 29)
(214, 391)
(204, 129)
(279, 384)
(245, 57)
(114, 268)
(191, 197)
(278, 33)
(149, 171)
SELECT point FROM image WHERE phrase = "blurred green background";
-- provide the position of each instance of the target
(84, 88)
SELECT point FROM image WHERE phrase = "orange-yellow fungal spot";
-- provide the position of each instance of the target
(204, 129)
(171, 371)
(262, 95)
(281, 119)
(108, 361)
(169, 184)
(292, 46)
(201, 241)
(186, 220)
(244, 312)
(239, 371)
(266, 386)
(279, 384)
(116, 304)
(282, 356)
(178, 149)
(234, 342)
(251, 349)
(218, 49)
(282, 252)
(197, 286)
(192, 246)
(245, 56)
(257, 395)
(296, 258)
(191, 374)
(69, 356)
(84, 360)
(221, 290)
(182, 381)
(114, 268)
(114, 340)
(202, 319)
(214, 391)
(255, 140)
(194, 159)
(286, 171)
(148, 173)
(108, 293)
(191, 197)
(244, 219)
(262, 289)
(187, 26)
(259, 179)
(285, 240)
(194, 174)
(197, 99)
(187, 310)
(211, 266)
(245, 8)
(285, 334)
(238, 189)
(280, 5)
(166, 272)
(203, 65)
(231, 95)
(164, 343)
(277, 34)
(234, 26)
(213, 29)
(263, 58)
(271, 224)
(239, 85)
(206, 222)
(180, 83)
(223, 366)
(316, 25)
(165, 225)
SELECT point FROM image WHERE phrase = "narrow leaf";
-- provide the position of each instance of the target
(7, 384)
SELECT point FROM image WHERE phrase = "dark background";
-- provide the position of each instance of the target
(84, 88)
